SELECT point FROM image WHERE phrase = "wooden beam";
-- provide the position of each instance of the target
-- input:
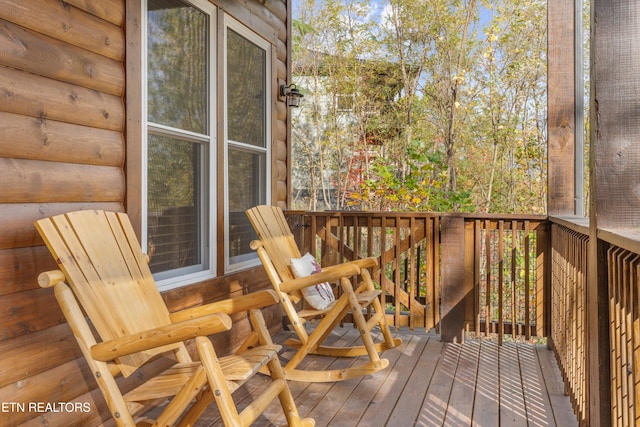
(614, 174)
(561, 108)
(453, 279)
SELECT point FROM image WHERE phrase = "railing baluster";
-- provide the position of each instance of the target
(397, 280)
(383, 256)
(436, 273)
(527, 283)
(514, 313)
(412, 271)
(541, 267)
(635, 297)
(487, 312)
(429, 294)
(613, 309)
(500, 281)
(629, 305)
(476, 272)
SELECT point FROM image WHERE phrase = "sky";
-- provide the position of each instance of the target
(379, 9)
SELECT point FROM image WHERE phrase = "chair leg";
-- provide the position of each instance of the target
(177, 405)
(197, 409)
(320, 332)
(319, 338)
(217, 383)
(360, 321)
(378, 308)
(277, 374)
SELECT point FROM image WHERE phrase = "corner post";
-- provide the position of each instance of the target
(453, 279)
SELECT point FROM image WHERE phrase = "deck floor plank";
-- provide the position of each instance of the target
(360, 399)
(410, 401)
(309, 395)
(428, 383)
(512, 407)
(561, 405)
(539, 410)
(385, 400)
(460, 407)
(434, 407)
(334, 395)
(486, 405)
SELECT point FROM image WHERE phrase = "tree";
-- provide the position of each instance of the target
(512, 109)
(447, 104)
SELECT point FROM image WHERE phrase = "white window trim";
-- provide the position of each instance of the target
(241, 29)
(179, 280)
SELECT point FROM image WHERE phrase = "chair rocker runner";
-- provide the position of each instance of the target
(104, 274)
(277, 250)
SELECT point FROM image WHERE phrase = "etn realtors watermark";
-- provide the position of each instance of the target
(7, 407)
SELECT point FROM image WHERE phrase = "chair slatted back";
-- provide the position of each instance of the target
(101, 258)
(274, 233)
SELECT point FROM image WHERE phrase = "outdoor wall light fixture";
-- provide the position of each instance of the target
(292, 94)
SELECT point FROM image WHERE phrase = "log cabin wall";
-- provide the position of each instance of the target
(65, 122)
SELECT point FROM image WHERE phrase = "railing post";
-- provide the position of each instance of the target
(543, 286)
(471, 294)
(453, 279)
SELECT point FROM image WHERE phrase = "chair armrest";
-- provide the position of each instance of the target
(48, 279)
(365, 262)
(163, 335)
(328, 274)
(228, 306)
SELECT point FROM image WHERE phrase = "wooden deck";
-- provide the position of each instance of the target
(430, 383)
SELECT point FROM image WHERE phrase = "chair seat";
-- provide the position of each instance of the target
(240, 367)
(364, 299)
(237, 368)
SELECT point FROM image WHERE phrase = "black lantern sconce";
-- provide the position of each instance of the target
(292, 94)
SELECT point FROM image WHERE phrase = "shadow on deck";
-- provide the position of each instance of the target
(430, 383)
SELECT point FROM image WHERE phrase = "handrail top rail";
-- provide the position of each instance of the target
(379, 214)
(578, 224)
(625, 238)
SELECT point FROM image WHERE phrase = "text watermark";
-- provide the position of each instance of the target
(6, 407)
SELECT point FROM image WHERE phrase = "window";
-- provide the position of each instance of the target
(344, 103)
(180, 148)
(247, 175)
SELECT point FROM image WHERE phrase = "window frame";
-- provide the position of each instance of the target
(242, 30)
(180, 277)
(218, 154)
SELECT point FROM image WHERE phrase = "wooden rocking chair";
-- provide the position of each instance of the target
(276, 249)
(109, 280)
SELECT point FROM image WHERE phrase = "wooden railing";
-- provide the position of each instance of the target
(518, 276)
(578, 355)
(623, 278)
(406, 246)
(497, 264)
(569, 261)
(509, 274)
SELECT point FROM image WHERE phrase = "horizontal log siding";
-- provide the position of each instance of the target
(36, 139)
(16, 220)
(27, 50)
(63, 148)
(64, 22)
(48, 99)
